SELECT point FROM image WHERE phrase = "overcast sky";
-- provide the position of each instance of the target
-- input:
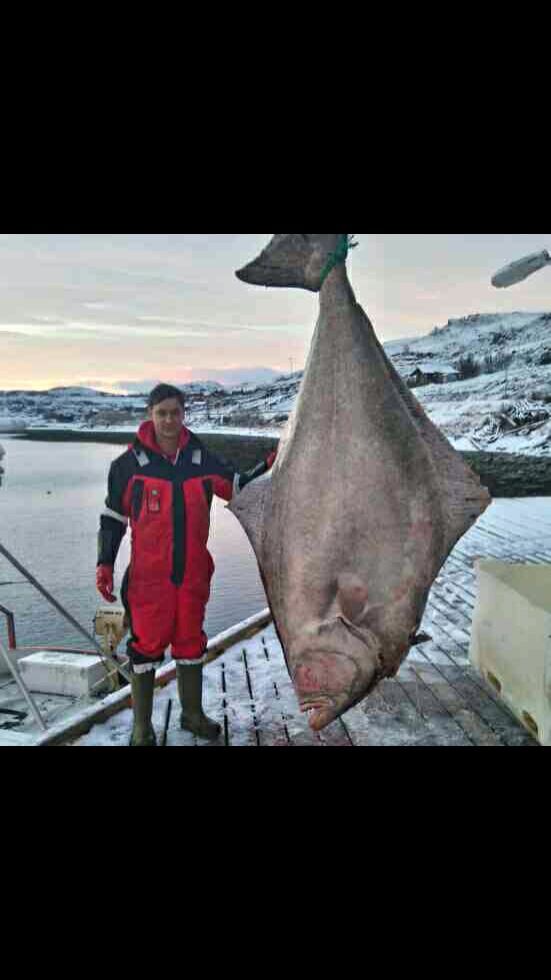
(101, 309)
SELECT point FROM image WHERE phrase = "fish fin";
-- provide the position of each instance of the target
(250, 507)
(420, 638)
(466, 498)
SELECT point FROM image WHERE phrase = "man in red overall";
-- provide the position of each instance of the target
(163, 487)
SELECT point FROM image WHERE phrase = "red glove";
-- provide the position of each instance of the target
(104, 582)
(270, 460)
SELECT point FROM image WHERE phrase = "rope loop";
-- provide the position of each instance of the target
(345, 243)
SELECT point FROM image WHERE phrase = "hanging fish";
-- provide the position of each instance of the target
(364, 502)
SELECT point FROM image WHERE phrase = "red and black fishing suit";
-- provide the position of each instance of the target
(167, 503)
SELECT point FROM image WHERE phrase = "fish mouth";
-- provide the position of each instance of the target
(327, 683)
(322, 710)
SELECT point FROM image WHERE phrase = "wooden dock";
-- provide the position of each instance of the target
(436, 699)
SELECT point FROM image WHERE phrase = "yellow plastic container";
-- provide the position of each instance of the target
(511, 639)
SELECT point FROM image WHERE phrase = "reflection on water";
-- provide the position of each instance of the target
(50, 501)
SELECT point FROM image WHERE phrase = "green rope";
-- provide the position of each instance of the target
(339, 255)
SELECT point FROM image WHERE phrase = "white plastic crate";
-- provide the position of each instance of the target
(511, 639)
(54, 672)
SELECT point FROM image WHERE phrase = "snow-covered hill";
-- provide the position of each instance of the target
(526, 337)
(75, 392)
(505, 408)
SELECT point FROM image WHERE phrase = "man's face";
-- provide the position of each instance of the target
(168, 418)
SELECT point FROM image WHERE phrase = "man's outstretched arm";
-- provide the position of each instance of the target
(257, 471)
(227, 481)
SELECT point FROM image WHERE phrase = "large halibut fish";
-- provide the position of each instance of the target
(364, 502)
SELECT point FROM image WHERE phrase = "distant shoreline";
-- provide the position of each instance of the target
(117, 436)
(504, 474)
(244, 451)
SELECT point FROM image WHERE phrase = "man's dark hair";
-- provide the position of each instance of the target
(161, 392)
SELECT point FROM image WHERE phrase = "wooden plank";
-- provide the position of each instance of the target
(482, 545)
(510, 527)
(457, 581)
(538, 518)
(536, 509)
(459, 569)
(115, 732)
(455, 595)
(272, 726)
(542, 557)
(439, 616)
(441, 727)
(10, 737)
(239, 706)
(463, 559)
(515, 526)
(497, 716)
(488, 536)
(456, 619)
(474, 727)
(509, 546)
(433, 653)
(386, 717)
(444, 640)
(336, 734)
(296, 723)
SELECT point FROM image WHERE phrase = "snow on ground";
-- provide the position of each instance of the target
(507, 410)
(197, 427)
(486, 410)
(236, 430)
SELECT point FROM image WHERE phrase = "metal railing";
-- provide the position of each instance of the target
(116, 667)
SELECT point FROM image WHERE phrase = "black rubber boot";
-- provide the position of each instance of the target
(143, 686)
(190, 690)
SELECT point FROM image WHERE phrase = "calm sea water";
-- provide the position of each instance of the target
(50, 501)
